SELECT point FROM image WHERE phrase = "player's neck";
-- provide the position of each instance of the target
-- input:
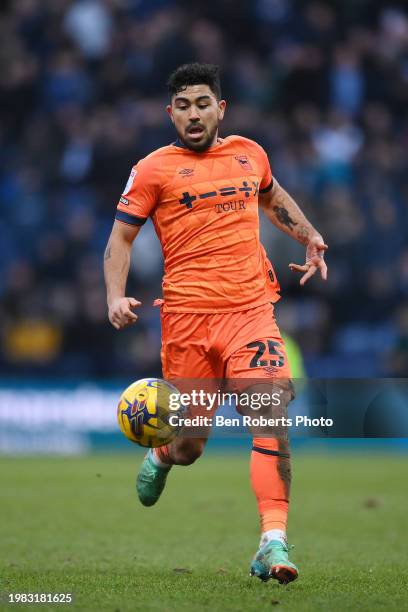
(216, 140)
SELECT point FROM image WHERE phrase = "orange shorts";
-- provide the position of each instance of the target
(245, 344)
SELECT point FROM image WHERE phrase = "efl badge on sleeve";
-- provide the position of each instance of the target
(130, 181)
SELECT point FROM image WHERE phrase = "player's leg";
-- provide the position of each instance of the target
(270, 470)
(183, 359)
(262, 358)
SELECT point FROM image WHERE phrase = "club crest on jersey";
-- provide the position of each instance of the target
(186, 171)
(244, 162)
(130, 181)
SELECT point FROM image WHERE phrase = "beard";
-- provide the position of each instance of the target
(203, 144)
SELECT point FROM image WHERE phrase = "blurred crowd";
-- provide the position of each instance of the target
(323, 86)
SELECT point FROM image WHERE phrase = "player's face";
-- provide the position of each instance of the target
(196, 112)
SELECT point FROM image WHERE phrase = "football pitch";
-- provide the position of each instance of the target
(74, 525)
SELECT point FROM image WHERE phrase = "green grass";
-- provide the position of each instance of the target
(74, 525)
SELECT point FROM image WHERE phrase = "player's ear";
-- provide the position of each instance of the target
(221, 109)
(170, 112)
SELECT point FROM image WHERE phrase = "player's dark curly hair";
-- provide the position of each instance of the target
(195, 74)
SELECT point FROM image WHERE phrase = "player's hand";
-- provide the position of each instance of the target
(121, 313)
(314, 260)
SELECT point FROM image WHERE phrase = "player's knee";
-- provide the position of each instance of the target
(269, 398)
(286, 388)
(267, 408)
(188, 451)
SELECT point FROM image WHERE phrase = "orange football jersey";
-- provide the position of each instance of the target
(204, 207)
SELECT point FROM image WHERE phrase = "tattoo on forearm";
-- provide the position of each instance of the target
(107, 253)
(303, 234)
(283, 217)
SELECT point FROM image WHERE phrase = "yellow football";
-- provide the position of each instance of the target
(144, 411)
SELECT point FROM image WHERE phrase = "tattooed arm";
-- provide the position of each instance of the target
(283, 211)
(286, 215)
(116, 269)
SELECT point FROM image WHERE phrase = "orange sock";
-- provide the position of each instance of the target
(162, 454)
(270, 478)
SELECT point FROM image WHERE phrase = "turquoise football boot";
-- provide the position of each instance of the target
(271, 561)
(151, 481)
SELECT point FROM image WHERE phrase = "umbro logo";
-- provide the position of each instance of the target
(186, 171)
(270, 370)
